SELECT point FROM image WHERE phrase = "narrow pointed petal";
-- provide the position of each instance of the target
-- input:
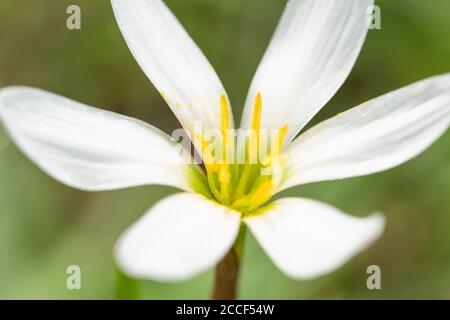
(88, 148)
(306, 238)
(179, 237)
(171, 60)
(377, 135)
(311, 54)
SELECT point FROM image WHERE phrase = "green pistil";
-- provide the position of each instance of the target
(243, 181)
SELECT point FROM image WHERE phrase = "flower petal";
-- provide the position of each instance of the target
(377, 135)
(89, 148)
(172, 61)
(306, 238)
(311, 54)
(180, 236)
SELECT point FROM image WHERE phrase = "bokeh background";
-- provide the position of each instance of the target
(46, 226)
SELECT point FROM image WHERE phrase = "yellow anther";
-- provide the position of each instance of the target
(207, 157)
(276, 148)
(266, 161)
(262, 194)
(257, 108)
(199, 137)
(281, 135)
(224, 113)
(224, 175)
(225, 125)
(253, 141)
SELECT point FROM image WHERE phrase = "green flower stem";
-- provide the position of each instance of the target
(227, 270)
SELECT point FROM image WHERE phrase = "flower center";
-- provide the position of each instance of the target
(244, 169)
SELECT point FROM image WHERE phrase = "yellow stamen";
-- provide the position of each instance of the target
(266, 161)
(225, 128)
(225, 121)
(224, 113)
(257, 108)
(207, 156)
(244, 188)
(224, 175)
(262, 194)
(276, 148)
(224, 170)
(255, 126)
(253, 147)
(281, 135)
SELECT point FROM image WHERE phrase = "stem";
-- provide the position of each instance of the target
(225, 281)
(227, 270)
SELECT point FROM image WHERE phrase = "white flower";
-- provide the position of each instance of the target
(310, 55)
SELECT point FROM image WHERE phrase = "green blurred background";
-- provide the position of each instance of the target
(45, 226)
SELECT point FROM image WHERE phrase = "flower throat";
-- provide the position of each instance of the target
(243, 185)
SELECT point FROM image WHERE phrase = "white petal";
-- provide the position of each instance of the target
(311, 54)
(307, 238)
(377, 135)
(171, 60)
(180, 236)
(88, 148)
